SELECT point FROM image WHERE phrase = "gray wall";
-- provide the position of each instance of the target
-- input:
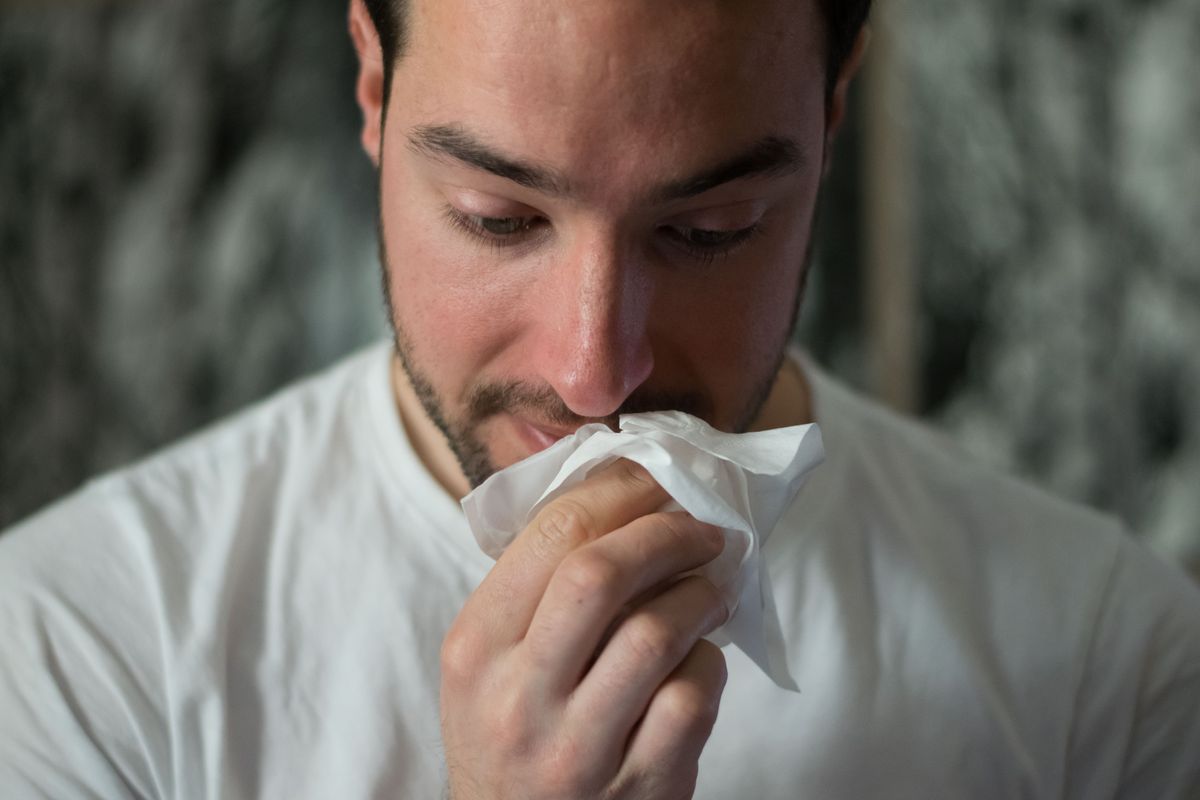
(1060, 203)
(186, 223)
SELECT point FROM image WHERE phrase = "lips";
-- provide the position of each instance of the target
(538, 437)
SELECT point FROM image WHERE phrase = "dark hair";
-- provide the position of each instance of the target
(843, 20)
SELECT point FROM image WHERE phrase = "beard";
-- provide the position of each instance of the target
(484, 400)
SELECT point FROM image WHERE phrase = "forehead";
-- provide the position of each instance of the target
(581, 82)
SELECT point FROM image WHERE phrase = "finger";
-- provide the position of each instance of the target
(644, 650)
(594, 582)
(509, 595)
(667, 744)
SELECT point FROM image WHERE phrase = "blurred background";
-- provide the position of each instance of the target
(1009, 245)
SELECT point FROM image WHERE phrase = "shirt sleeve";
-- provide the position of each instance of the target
(79, 698)
(1136, 732)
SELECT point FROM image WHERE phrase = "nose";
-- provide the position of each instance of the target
(594, 345)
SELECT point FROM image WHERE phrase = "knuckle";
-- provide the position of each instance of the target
(675, 778)
(510, 723)
(588, 574)
(564, 524)
(461, 654)
(653, 639)
(568, 769)
(635, 476)
(690, 705)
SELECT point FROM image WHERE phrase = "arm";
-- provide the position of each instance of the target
(1137, 724)
(76, 713)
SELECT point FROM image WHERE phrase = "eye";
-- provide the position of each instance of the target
(706, 244)
(702, 238)
(498, 231)
(501, 226)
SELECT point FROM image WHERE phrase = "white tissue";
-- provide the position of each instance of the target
(741, 483)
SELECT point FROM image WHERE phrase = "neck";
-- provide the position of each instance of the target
(789, 402)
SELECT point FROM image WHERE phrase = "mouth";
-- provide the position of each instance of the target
(538, 437)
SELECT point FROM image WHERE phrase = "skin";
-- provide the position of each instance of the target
(522, 310)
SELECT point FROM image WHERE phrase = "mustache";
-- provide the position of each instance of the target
(544, 404)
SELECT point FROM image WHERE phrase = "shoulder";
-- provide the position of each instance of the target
(931, 494)
(104, 594)
(1091, 643)
(80, 660)
(152, 517)
(914, 494)
(292, 428)
(1137, 712)
(288, 430)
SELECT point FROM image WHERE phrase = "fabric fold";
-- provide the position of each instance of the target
(742, 483)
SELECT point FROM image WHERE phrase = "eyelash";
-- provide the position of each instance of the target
(708, 253)
(705, 253)
(466, 223)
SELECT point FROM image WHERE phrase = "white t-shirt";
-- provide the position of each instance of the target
(258, 612)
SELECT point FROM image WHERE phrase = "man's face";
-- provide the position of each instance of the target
(594, 208)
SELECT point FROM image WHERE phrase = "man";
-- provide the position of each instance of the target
(586, 209)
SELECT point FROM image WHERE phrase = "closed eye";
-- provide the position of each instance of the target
(498, 231)
(705, 244)
(702, 244)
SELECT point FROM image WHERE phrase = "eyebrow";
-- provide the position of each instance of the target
(771, 156)
(440, 141)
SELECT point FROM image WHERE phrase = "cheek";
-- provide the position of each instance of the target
(737, 332)
(744, 310)
(454, 317)
(726, 335)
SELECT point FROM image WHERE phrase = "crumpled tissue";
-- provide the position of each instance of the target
(741, 483)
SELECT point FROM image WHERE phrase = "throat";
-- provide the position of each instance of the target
(789, 402)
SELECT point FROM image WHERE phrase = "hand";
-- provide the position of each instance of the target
(576, 669)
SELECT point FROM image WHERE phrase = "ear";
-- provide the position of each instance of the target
(836, 113)
(368, 88)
